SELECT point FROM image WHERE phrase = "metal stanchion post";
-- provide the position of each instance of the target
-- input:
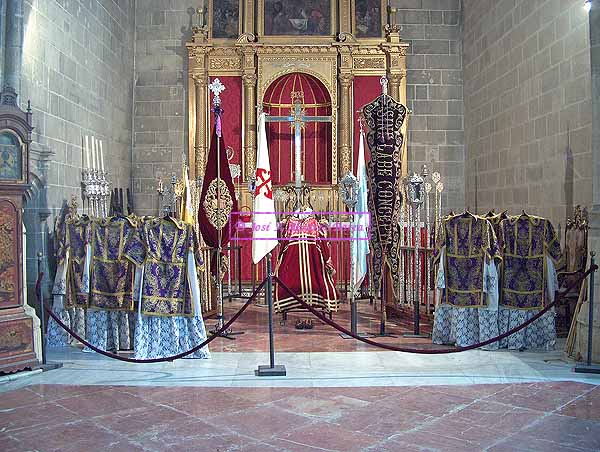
(588, 368)
(271, 370)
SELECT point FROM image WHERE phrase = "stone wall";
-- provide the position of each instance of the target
(528, 106)
(160, 120)
(435, 91)
(77, 71)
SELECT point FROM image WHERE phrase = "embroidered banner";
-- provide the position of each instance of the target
(385, 117)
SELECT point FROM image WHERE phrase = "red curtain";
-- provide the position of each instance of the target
(316, 137)
(366, 89)
(231, 103)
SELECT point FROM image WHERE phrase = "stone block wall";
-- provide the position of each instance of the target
(160, 111)
(528, 106)
(435, 91)
(77, 71)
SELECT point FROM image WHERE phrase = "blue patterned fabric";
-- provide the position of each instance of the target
(541, 334)
(464, 327)
(161, 337)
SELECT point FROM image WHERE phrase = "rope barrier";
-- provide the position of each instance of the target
(340, 328)
(169, 358)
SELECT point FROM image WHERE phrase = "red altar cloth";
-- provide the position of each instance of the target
(304, 266)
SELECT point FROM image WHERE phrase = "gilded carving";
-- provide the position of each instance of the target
(225, 63)
(369, 63)
(218, 203)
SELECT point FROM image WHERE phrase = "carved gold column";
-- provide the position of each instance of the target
(249, 81)
(201, 113)
(198, 49)
(345, 123)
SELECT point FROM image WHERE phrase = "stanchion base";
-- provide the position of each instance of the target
(412, 335)
(268, 371)
(347, 336)
(50, 366)
(585, 369)
(382, 335)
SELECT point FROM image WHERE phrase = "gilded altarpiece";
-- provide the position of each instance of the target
(347, 58)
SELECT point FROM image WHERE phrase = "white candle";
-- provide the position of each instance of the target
(93, 152)
(101, 156)
(87, 152)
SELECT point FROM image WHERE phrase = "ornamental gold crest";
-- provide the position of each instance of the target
(218, 207)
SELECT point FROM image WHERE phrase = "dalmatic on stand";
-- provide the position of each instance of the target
(169, 317)
(56, 336)
(304, 266)
(528, 280)
(73, 272)
(116, 249)
(467, 312)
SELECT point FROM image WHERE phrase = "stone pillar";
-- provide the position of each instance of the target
(201, 114)
(249, 154)
(14, 44)
(345, 123)
(595, 213)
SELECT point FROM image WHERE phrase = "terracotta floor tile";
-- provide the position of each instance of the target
(143, 421)
(538, 396)
(102, 403)
(566, 431)
(260, 423)
(584, 407)
(330, 437)
(420, 400)
(35, 417)
(496, 416)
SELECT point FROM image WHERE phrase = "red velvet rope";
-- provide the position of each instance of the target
(169, 358)
(340, 328)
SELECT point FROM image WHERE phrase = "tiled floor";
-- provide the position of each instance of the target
(322, 338)
(555, 416)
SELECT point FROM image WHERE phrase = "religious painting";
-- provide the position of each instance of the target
(11, 157)
(226, 19)
(368, 19)
(297, 17)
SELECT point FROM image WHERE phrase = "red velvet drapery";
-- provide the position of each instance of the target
(316, 137)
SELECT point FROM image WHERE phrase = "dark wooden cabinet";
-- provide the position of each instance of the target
(16, 327)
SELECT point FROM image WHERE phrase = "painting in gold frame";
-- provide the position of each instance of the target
(225, 19)
(297, 17)
(369, 18)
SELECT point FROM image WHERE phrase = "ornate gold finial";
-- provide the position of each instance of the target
(297, 96)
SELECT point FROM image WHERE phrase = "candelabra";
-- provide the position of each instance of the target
(96, 191)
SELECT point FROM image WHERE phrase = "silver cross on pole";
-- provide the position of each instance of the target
(297, 120)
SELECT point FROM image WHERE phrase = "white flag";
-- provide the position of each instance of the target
(264, 222)
(360, 244)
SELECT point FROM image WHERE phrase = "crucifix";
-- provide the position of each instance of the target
(297, 120)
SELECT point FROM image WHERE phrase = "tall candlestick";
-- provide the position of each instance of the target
(101, 156)
(87, 152)
(93, 152)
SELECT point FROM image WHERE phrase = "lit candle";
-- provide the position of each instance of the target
(87, 152)
(93, 152)
(101, 156)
